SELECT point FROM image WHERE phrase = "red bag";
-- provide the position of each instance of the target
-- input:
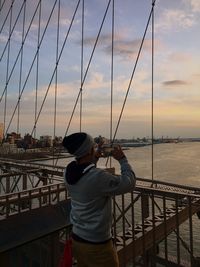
(66, 260)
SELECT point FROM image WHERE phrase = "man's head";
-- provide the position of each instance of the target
(78, 144)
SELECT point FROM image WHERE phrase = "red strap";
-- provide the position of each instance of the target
(66, 260)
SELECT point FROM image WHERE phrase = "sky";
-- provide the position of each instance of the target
(174, 109)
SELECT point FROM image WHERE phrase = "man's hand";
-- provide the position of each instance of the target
(117, 153)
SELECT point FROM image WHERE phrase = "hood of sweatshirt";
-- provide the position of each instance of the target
(75, 171)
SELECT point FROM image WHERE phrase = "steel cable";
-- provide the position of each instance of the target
(20, 51)
(11, 6)
(56, 80)
(82, 44)
(133, 72)
(7, 67)
(30, 69)
(21, 66)
(11, 32)
(86, 72)
(152, 96)
(44, 99)
(37, 65)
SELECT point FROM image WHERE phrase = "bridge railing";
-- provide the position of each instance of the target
(157, 222)
(153, 225)
(14, 203)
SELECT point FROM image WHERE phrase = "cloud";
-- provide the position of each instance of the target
(103, 39)
(96, 81)
(194, 4)
(3, 38)
(196, 76)
(126, 49)
(96, 111)
(180, 57)
(174, 20)
(175, 83)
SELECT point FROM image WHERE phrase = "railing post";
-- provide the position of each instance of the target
(8, 184)
(55, 244)
(145, 205)
(24, 181)
(145, 214)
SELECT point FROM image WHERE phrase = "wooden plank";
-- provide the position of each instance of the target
(26, 227)
(171, 262)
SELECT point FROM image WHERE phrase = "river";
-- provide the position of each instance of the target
(172, 162)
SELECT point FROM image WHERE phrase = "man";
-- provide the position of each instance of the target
(91, 190)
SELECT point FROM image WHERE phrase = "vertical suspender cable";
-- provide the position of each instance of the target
(112, 75)
(111, 111)
(21, 66)
(7, 69)
(37, 66)
(81, 89)
(152, 96)
(56, 80)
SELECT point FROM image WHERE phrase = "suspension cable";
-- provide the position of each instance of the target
(56, 79)
(133, 72)
(31, 69)
(20, 51)
(86, 72)
(37, 65)
(112, 137)
(57, 65)
(66, 37)
(112, 75)
(1, 6)
(152, 96)
(11, 32)
(9, 11)
(95, 43)
(7, 68)
(21, 65)
(82, 43)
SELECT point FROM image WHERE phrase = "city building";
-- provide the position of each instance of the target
(46, 141)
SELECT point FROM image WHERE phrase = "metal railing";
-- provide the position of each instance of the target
(156, 223)
(155, 226)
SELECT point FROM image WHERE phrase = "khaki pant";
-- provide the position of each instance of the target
(89, 255)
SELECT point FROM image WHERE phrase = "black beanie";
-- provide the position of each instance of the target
(78, 144)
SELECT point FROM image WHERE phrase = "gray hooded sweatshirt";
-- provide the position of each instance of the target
(91, 190)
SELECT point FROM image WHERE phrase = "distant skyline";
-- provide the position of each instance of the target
(176, 92)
